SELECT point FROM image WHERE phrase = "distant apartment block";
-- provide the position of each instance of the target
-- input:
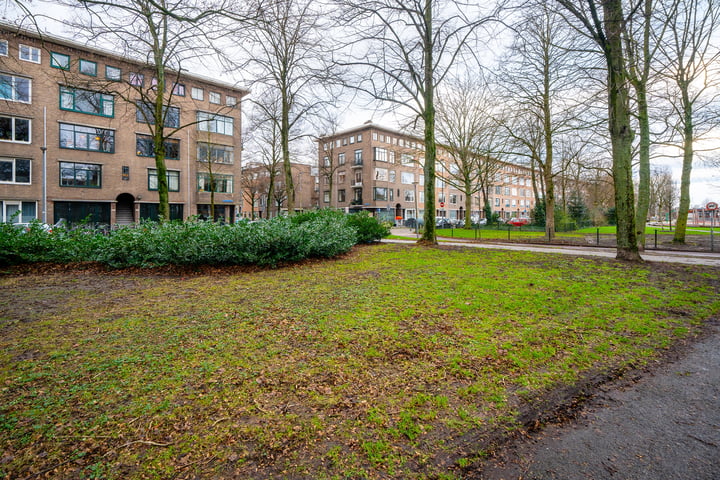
(260, 202)
(380, 170)
(75, 144)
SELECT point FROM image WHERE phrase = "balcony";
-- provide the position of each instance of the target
(357, 164)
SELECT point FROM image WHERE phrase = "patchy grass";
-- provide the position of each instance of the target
(393, 362)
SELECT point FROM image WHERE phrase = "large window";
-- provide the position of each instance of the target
(151, 211)
(15, 89)
(79, 137)
(215, 153)
(381, 174)
(380, 154)
(409, 195)
(17, 211)
(15, 170)
(14, 129)
(145, 147)
(86, 175)
(145, 113)
(407, 177)
(78, 212)
(86, 101)
(380, 194)
(60, 60)
(173, 180)
(219, 183)
(29, 54)
(211, 122)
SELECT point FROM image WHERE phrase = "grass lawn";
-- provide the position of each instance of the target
(392, 362)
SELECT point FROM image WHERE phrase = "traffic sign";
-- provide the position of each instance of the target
(442, 204)
(711, 206)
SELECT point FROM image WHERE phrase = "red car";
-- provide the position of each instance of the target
(518, 222)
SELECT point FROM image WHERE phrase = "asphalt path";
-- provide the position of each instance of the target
(665, 426)
(668, 256)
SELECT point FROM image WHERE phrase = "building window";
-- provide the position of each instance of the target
(78, 137)
(341, 196)
(173, 180)
(380, 194)
(381, 174)
(88, 68)
(60, 60)
(357, 196)
(113, 73)
(85, 101)
(17, 211)
(352, 139)
(391, 177)
(453, 198)
(3, 48)
(145, 147)
(358, 177)
(136, 79)
(29, 54)
(86, 175)
(341, 177)
(406, 159)
(13, 129)
(179, 90)
(219, 183)
(380, 154)
(210, 122)
(409, 195)
(15, 89)
(197, 93)
(230, 101)
(145, 113)
(359, 138)
(358, 157)
(15, 170)
(214, 97)
(341, 159)
(407, 178)
(215, 153)
(326, 196)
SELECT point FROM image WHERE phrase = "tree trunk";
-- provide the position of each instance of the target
(643, 201)
(682, 216)
(287, 167)
(428, 235)
(621, 133)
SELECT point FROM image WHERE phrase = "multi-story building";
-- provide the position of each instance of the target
(380, 170)
(255, 183)
(75, 144)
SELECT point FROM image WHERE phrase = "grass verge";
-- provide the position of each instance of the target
(382, 364)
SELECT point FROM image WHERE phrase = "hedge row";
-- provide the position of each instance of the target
(323, 233)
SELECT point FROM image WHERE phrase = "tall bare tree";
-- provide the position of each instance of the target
(468, 131)
(288, 52)
(329, 163)
(542, 83)
(404, 50)
(604, 21)
(162, 34)
(688, 60)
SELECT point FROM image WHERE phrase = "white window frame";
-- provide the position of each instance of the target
(14, 171)
(13, 120)
(13, 80)
(213, 119)
(214, 98)
(33, 54)
(197, 93)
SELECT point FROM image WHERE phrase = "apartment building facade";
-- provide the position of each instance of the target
(378, 169)
(255, 183)
(75, 138)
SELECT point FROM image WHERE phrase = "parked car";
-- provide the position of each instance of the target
(442, 222)
(410, 222)
(518, 222)
(27, 226)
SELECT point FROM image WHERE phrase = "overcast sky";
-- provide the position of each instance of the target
(705, 179)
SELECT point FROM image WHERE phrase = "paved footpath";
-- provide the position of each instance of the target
(669, 256)
(664, 427)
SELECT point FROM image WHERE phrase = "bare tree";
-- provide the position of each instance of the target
(162, 34)
(543, 86)
(254, 183)
(265, 140)
(604, 22)
(328, 161)
(688, 61)
(468, 131)
(404, 50)
(663, 193)
(291, 59)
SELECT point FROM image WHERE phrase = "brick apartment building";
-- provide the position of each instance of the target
(255, 182)
(380, 170)
(75, 145)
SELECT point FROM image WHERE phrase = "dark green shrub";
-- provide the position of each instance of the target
(369, 229)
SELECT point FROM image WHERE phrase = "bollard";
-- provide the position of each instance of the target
(508, 232)
(656, 239)
(597, 237)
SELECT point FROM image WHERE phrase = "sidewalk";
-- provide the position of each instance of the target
(667, 256)
(664, 426)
